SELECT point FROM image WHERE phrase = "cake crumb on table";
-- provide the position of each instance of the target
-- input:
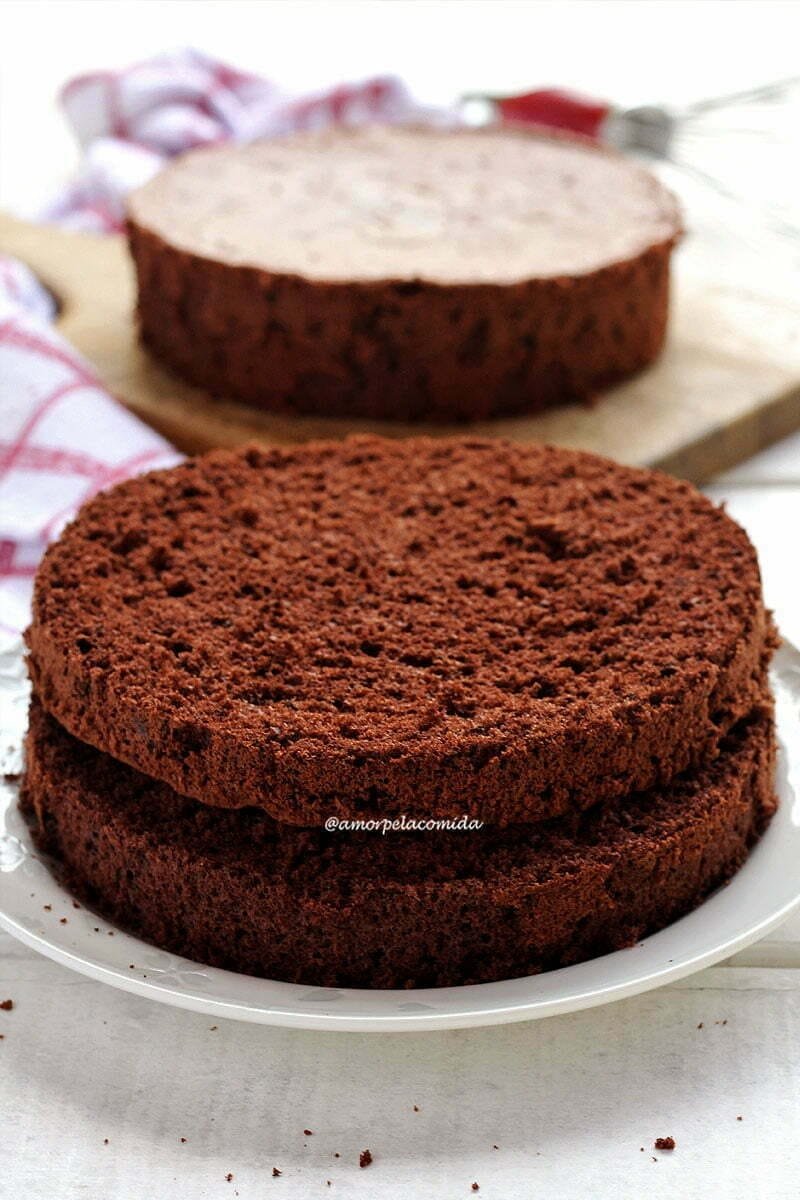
(476, 1187)
(364, 1158)
(276, 1173)
(6, 1005)
(664, 1143)
(308, 1132)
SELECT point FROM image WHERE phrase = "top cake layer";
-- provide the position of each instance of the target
(467, 206)
(421, 627)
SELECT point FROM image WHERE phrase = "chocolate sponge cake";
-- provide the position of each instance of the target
(412, 274)
(235, 889)
(422, 627)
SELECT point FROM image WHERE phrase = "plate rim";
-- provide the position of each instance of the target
(328, 1020)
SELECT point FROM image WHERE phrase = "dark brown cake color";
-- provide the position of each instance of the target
(417, 627)
(235, 889)
(411, 274)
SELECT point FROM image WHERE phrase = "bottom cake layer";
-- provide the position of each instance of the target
(231, 888)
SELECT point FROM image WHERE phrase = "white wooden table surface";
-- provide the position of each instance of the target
(99, 1088)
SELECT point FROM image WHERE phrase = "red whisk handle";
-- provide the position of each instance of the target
(553, 108)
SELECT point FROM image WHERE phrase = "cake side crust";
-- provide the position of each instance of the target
(398, 350)
(235, 890)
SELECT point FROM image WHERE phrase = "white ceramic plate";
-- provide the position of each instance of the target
(760, 896)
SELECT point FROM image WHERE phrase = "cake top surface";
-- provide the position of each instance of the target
(386, 606)
(378, 203)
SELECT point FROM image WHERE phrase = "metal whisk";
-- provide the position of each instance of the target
(746, 146)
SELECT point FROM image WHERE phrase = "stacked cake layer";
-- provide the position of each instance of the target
(227, 654)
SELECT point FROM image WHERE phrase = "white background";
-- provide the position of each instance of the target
(630, 52)
(569, 1101)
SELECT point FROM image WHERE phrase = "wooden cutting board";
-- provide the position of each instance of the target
(727, 385)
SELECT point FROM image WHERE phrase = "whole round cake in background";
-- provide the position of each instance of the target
(406, 274)
(382, 627)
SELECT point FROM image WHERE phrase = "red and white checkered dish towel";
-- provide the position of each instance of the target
(129, 122)
(62, 437)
